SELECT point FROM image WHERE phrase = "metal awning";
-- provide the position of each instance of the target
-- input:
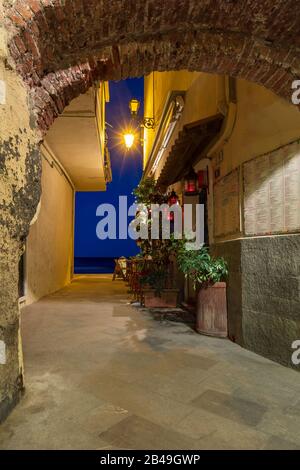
(191, 141)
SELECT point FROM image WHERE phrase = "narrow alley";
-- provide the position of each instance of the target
(102, 374)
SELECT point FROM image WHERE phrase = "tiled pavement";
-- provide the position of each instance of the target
(101, 374)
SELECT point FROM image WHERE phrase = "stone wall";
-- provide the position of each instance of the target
(264, 294)
(271, 295)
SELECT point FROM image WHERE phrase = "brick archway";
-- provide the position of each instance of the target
(60, 47)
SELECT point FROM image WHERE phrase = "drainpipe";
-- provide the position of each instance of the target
(228, 107)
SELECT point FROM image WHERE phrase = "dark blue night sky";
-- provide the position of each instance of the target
(126, 171)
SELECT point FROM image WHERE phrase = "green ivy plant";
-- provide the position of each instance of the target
(147, 192)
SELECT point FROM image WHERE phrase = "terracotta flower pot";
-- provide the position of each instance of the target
(211, 314)
(167, 298)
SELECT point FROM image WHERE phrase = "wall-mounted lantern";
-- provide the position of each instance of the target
(173, 200)
(134, 106)
(202, 179)
(191, 183)
(128, 139)
(136, 122)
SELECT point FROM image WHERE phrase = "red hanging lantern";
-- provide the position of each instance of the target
(191, 183)
(202, 179)
(173, 198)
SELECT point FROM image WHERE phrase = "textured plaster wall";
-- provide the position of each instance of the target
(19, 195)
(49, 246)
(263, 122)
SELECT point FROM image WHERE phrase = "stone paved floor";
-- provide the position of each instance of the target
(101, 374)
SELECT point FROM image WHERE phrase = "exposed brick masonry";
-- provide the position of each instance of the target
(60, 46)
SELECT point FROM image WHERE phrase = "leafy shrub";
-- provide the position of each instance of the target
(199, 266)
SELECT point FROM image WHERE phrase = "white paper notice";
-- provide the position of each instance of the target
(272, 192)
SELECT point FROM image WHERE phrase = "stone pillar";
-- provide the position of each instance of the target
(20, 172)
(11, 367)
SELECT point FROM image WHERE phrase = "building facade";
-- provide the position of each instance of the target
(246, 142)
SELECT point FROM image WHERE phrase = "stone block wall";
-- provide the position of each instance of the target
(271, 295)
(264, 294)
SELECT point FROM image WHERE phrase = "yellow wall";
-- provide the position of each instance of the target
(49, 249)
(263, 123)
(201, 101)
(162, 83)
(102, 97)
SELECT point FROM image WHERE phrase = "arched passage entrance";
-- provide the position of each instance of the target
(56, 49)
(59, 48)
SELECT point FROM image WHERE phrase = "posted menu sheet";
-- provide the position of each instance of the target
(272, 192)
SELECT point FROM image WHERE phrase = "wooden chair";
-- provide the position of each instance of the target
(120, 269)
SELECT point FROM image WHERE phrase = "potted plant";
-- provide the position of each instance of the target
(155, 289)
(207, 275)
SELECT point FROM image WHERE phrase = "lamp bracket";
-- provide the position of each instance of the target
(148, 123)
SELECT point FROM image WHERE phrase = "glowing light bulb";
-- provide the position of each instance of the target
(129, 140)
